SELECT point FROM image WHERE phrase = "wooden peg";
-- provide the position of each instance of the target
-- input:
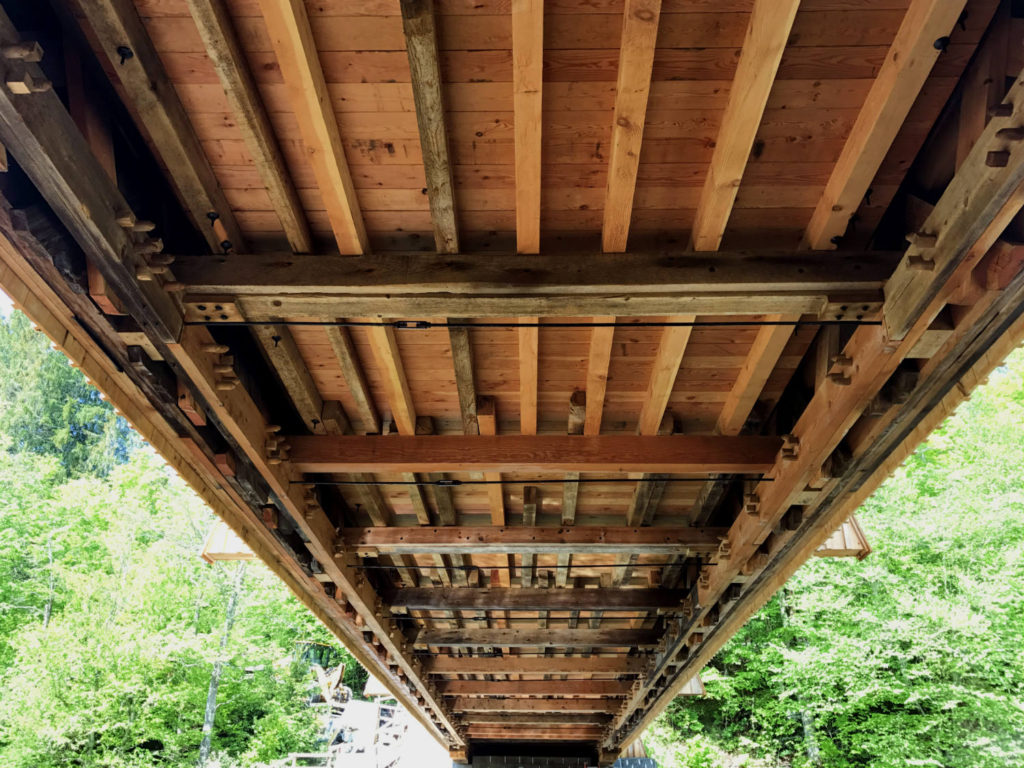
(997, 159)
(1010, 134)
(923, 239)
(216, 349)
(174, 287)
(142, 225)
(125, 220)
(921, 262)
(29, 51)
(790, 447)
(1001, 110)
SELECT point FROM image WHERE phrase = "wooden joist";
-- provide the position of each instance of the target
(296, 50)
(539, 541)
(222, 46)
(674, 454)
(601, 688)
(475, 704)
(152, 98)
(636, 63)
(767, 33)
(535, 718)
(528, 638)
(389, 362)
(527, 84)
(425, 69)
(558, 665)
(899, 81)
(355, 378)
(497, 599)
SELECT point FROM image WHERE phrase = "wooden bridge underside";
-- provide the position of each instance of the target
(533, 345)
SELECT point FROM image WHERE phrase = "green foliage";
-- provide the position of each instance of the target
(110, 623)
(911, 657)
(48, 408)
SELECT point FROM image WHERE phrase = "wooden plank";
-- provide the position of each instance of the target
(355, 380)
(250, 115)
(557, 665)
(389, 364)
(603, 688)
(578, 539)
(663, 374)
(764, 354)
(296, 52)
(462, 362)
(498, 599)
(527, 84)
(425, 70)
(532, 718)
(599, 358)
(633, 85)
(903, 74)
(767, 32)
(529, 340)
(531, 637)
(153, 101)
(470, 704)
(488, 423)
(675, 454)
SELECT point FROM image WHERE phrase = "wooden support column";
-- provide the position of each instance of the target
(636, 62)
(425, 69)
(527, 82)
(904, 72)
(215, 27)
(297, 57)
(767, 33)
(148, 90)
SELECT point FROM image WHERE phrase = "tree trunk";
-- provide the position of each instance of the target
(810, 737)
(218, 667)
(48, 610)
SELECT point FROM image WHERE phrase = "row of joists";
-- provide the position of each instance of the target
(221, 392)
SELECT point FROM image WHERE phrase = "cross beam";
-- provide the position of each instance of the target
(673, 454)
(498, 599)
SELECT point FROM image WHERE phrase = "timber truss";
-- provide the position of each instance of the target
(359, 270)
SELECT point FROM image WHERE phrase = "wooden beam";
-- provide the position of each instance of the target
(539, 541)
(281, 352)
(497, 733)
(42, 137)
(298, 59)
(152, 99)
(601, 688)
(531, 637)
(471, 704)
(761, 360)
(488, 423)
(355, 379)
(633, 85)
(213, 20)
(663, 374)
(462, 362)
(527, 82)
(903, 74)
(556, 665)
(532, 718)
(675, 454)
(425, 70)
(497, 599)
(529, 341)
(767, 32)
(599, 358)
(392, 371)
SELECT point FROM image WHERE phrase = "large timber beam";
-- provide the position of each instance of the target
(599, 688)
(473, 704)
(296, 50)
(497, 599)
(425, 70)
(532, 665)
(583, 539)
(535, 718)
(903, 74)
(527, 84)
(679, 454)
(222, 46)
(152, 98)
(267, 286)
(765, 41)
(531, 637)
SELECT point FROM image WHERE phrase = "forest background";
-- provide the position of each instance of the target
(111, 626)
